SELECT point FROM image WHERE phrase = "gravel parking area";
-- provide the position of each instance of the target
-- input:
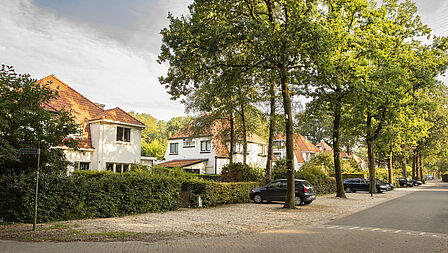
(240, 218)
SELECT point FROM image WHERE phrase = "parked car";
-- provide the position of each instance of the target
(361, 184)
(405, 182)
(276, 191)
(386, 183)
(416, 182)
(428, 177)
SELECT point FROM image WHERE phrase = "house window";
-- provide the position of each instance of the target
(81, 166)
(195, 171)
(174, 148)
(123, 134)
(261, 150)
(188, 143)
(79, 133)
(277, 155)
(110, 166)
(84, 166)
(205, 146)
(277, 144)
(119, 167)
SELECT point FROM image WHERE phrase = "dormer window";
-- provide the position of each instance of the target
(278, 144)
(123, 134)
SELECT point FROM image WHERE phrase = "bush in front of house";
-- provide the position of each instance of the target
(215, 194)
(237, 172)
(87, 194)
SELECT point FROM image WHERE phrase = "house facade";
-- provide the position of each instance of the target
(304, 150)
(108, 139)
(206, 150)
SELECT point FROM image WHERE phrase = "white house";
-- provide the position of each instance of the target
(206, 151)
(304, 150)
(108, 139)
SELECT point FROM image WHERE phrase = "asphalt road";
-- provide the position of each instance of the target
(416, 222)
(423, 211)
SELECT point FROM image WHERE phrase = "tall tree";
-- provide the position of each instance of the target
(25, 122)
(249, 35)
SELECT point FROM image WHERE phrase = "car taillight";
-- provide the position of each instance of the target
(305, 189)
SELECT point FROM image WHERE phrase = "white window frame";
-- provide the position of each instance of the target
(176, 151)
(206, 146)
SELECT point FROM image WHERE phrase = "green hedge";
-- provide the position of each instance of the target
(87, 195)
(324, 186)
(211, 177)
(214, 194)
(445, 177)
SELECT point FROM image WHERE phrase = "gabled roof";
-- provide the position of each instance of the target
(217, 129)
(70, 100)
(81, 108)
(117, 114)
(181, 163)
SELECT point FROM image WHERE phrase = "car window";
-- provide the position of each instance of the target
(275, 184)
(283, 184)
(357, 181)
(306, 184)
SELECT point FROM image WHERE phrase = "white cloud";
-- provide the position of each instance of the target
(40, 43)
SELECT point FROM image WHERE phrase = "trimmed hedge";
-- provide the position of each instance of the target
(87, 195)
(324, 186)
(215, 194)
(445, 177)
(211, 177)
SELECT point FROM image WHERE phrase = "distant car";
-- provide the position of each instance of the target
(276, 191)
(428, 177)
(416, 182)
(386, 183)
(405, 182)
(361, 184)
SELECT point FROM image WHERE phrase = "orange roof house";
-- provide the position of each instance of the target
(209, 142)
(97, 126)
(304, 150)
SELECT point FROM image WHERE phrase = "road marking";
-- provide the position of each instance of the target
(399, 231)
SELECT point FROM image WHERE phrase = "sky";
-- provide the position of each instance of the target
(107, 49)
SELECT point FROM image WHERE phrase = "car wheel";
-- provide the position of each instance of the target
(298, 201)
(348, 189)
(258, 199)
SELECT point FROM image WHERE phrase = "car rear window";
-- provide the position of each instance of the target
(306, 183)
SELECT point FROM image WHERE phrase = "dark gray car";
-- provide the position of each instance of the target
(276, 191)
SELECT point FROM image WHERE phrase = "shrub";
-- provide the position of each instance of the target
(214, 194)
(325, 186)
(237, 172)
(445, 177)
(280, 170)
(211, 177)
(88, 194)
(311, 172)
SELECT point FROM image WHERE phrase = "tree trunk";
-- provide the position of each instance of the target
(414, 165)
(421, 165)
(268, 171)
(340, 191)
(370, 154)
(405, 173)
(389, 165)
(232, 139)
(243, 119)
(290, 191)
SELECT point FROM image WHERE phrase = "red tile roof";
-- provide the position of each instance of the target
(117, 114)
(181, 163)
(81, 108)
(301, 144)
